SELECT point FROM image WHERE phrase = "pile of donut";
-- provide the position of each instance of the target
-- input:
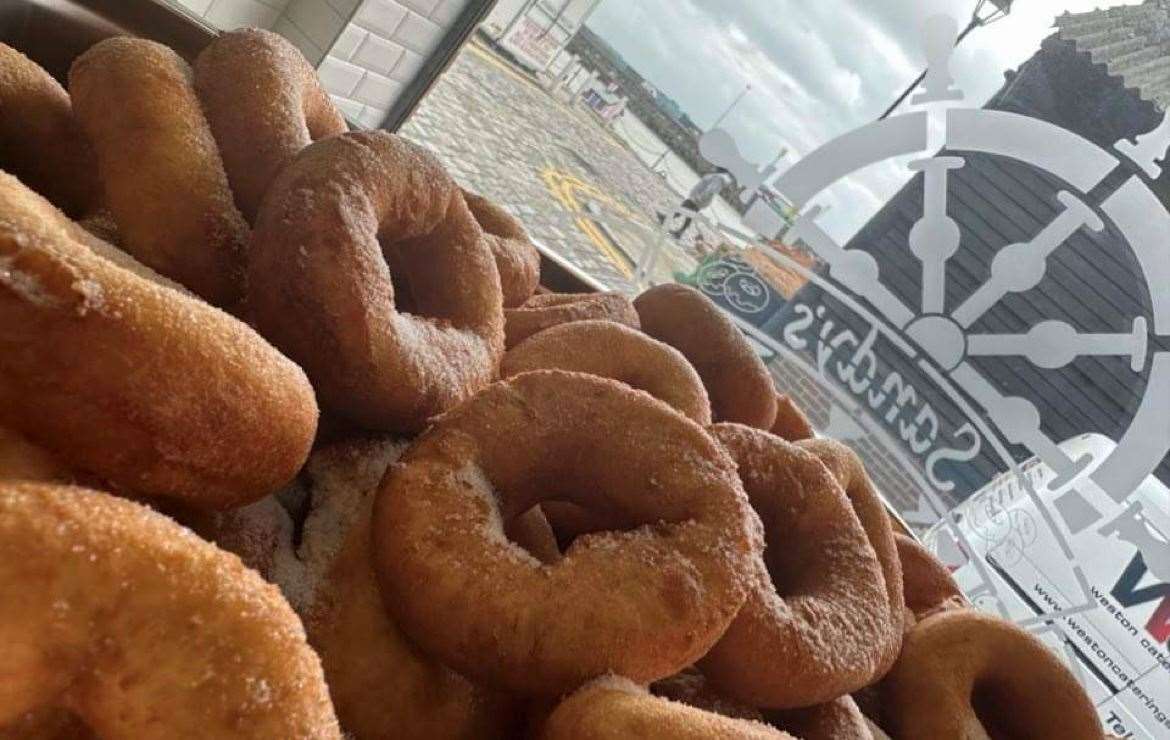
(292, 444)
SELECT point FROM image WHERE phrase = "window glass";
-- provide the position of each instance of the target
(967, 284)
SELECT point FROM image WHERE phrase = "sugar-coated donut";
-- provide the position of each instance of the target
(516, 256)
(816, 624)
(40, 142)
(109, 608)
(791, 422)
(927, 584)
(614, 708)
(965, 674)
(550, 309)
(160, 168)
(613, 350)
(383, 353)
(644, 600)
(737, 382)
(264, 104)
(847, 467)
(839, 719)
(147, 388)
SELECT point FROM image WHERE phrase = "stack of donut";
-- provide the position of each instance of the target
(290, 448)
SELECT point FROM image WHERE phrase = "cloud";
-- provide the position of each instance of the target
(817, 68)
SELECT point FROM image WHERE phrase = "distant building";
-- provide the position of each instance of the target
(535, 34)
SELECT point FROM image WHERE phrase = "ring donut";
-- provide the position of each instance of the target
(516, 256)
(387, 346)
(160, 168)
(614, 708)
(174, 399)
(927, 584)
(967, 674)
(847, 467)
(264, 104)
(688, 538)
(550, 309)
(791, 422)
(737, 382)
(839, 719)
(40, 142)
(611, 350)
(815, 625)
(110, 606)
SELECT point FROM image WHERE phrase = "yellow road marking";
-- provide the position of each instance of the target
(565, 188)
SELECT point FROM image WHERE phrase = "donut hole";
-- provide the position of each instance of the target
(404, 297)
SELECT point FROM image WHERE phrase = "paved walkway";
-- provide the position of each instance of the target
(576, 187)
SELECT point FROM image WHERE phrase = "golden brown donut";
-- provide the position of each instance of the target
(384, 352)
(737, 382)
(612, 350)
(644, 600)
(264, 104)
(839, 719)
(516, 256)
(40, 142)
(927, 584)
(162, 174)
(816, 624)
(614, 708)
(549, 309)
(149, 389)
(964, 674)
(109, 607)
(847, 467)
(791, 423)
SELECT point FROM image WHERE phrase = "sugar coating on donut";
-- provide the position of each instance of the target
(342, 479)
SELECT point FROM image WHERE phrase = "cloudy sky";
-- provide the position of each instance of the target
(817, 68)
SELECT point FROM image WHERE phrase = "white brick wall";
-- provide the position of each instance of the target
(312, 25)
(366, 51)
(229, 14)
(381, 50)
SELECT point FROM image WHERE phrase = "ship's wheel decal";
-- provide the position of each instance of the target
(946, 339)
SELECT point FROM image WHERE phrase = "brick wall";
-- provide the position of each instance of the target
(380, 50)
(366, 51)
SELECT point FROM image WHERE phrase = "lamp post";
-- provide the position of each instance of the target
(731, 107)
(986, 12)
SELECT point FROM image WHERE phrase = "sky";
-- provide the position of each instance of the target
(818, 68)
